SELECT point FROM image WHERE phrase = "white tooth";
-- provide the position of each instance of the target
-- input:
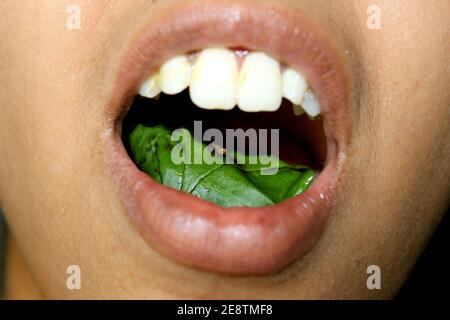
(260, 84)
(150, 88)
(175, 75)
(214, 82)
(294, 86)
(311, 104)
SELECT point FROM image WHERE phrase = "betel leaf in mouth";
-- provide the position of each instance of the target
(225, 184)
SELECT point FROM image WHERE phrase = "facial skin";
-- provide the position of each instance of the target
(62, 206)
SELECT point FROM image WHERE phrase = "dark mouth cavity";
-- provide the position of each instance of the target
(302, 140)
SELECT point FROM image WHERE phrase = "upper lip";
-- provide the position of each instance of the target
(201, 234)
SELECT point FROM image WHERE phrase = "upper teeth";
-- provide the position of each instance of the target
(151, 87)
(216, 81)
(175, 75)
(260, 86)
(294, 86)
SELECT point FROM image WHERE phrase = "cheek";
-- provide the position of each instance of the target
(54, 188)
(49, 124)
(397, 186)
(402, 96)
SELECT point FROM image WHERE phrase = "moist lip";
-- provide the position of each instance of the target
(189, 230)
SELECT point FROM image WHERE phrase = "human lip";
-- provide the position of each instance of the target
(244, 241)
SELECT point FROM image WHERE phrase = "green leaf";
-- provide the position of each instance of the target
(225, 184)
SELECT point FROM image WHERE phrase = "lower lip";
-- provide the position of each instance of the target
(191, 231)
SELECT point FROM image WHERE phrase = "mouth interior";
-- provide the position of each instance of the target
(302, 140)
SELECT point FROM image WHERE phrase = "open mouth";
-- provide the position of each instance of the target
(218, 64)
(235, 103)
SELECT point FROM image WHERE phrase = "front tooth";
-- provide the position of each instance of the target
(150, 88)
(294, 86)
(175, 75)
(311, 104)
(260, 84)
(214, 82)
